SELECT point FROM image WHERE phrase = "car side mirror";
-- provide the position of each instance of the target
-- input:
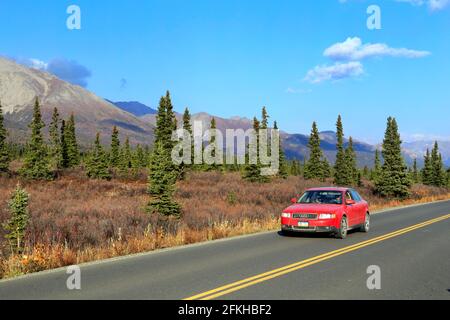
(294, 200)
(350, 202)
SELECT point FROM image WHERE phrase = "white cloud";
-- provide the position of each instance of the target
(336, 71)
(68, 70)
(300, 91)
(353, 49)
(433, 5)
(37, 64)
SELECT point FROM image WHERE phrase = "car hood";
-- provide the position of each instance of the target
(313, 208)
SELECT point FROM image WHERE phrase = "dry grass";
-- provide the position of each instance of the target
(77, 220)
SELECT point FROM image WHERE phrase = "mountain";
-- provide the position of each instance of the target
(295, 145)
(19, 85)
(134, 107)
(417, 149)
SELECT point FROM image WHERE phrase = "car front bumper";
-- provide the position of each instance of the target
(294, 228)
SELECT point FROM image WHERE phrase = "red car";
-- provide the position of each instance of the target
(333, 210)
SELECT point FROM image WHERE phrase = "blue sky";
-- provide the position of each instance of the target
(230, 57)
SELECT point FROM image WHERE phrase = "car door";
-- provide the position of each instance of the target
(360, 209)
(351, 210)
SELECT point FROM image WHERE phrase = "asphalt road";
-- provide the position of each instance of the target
(414, 263)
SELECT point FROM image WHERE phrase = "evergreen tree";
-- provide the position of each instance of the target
(340, 166)
(161, 183)
(115, 148)
(427, 170)
(326, 169)
(55, 141)
(213, 145)
(63, 146)
(438, 171)
(97, 162)
(4, 152)
(15, 227)
(252, 172)
(350, 161)
(376, 172)
(283, 168)
(394, 180)
(448, 177)
(161, 116)
(125, 156)
(366, 172)
(73, 153)
(415, 172)
(139, 158)
(264, 119)
(314, 167)
(36, 163)
(188, 127)
(165, 122)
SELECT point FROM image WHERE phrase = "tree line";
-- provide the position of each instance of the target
(42, 160)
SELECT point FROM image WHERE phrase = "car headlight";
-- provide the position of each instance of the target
(327, 216)
(285, 215)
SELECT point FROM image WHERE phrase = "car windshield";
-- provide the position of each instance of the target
(321, 197)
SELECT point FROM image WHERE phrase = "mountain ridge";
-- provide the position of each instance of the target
(19, 85)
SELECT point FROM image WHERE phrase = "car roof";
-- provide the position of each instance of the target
(340, 189)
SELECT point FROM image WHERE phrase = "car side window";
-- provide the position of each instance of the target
(348, 196)
(355, 195)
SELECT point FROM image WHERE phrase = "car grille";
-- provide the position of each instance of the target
(309, 216)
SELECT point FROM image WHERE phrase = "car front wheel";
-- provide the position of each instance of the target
(342, 231)
(366, 226)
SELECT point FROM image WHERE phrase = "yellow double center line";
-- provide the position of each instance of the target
(238, 285)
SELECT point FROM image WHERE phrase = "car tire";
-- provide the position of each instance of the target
(366, 226)
(286, 233)
(343, 229)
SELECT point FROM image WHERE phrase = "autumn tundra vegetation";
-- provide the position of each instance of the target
(62, 203)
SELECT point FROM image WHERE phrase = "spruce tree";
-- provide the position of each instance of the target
(188, 127)
(161, 184)
(264, 119)
(376, 171)
(161, 116)
(252, 171)
(73, 153)
(55, 141)
(115, 148)
(36, 163)
(97, 162)
(15, 227)
(165, 122)
(213, 145)
(340, 166)
(283, 168)
(63, 146)
(438, 171)
(125, 155)
(350, 162)
(314, 167)
(4, 152)
(448, 178)
(415, 172)
(394, 180)
(139, 158)
(326, 169)
(427, 170)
